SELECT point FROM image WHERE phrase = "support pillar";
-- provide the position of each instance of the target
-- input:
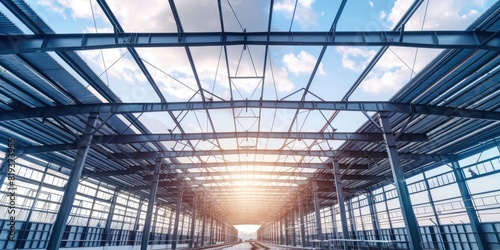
(340, 199)
(203, 225)
(193, 221)
(287, 231)
(294, 233)
(469, 206)
(319, 232)
(409, 217)
(106, 233)
(72, 184)
(153, 228)
(24, 232)
(177, 217)
(151, 203)
(133, 235)
(352, 221)
(302, 226)
(442, 236)
(211, 234)
(374, 217)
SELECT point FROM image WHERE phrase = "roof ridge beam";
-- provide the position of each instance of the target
(125, 108)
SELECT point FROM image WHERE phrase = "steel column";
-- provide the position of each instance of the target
(106, 233)
(204, 223)
(211, 235)
(410, 220)
(373, 211)
(152, 236)
(352, 223)
(302, 226)
(193, 221)
(340, 199)
(24, 232)
(442, 236)
(72, 184)
(319, 232)
(294, 233)
(469, 206)
(133, 235)
(177, 217)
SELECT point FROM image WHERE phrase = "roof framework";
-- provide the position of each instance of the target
(447, 111)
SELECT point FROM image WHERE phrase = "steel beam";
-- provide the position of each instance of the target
(125, 139)
(340, 199)
(182, 166)
(318, 153)
(409, 217)
(90, 41)
(125, 108)
(477, 230)
(151, 203)
(269, 175)
(72, 184)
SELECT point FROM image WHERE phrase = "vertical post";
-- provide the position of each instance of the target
(203, 225)
(169, 230)
(193, 221)
(151, 203)
(469, 206)
(133, 235)
(373, 212)
(294, 233)
(302, 226)
(177, 217)
(442, 236)
(280, 226)
(350, 211)
(4, 168)
(409, 218)
(23, 234)
(153, 228)
(106, 233)
(340, 199)
(392, 234)
(334, 221)
(318, 214)
(287, 232)
(72, 184)
(211, 234)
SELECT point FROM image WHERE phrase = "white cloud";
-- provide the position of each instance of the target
(304, 13)
(371, 3)
(441, 15)
(302, 63)
(382, 14)
(354, 58)
(81, 8)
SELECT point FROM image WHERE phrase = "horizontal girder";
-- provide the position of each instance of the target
(183, 166)
(317, 153)
(123, 108)
(11, 44)
(262, 175)
(124, 139)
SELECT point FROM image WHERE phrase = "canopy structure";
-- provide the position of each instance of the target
(240, 112)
